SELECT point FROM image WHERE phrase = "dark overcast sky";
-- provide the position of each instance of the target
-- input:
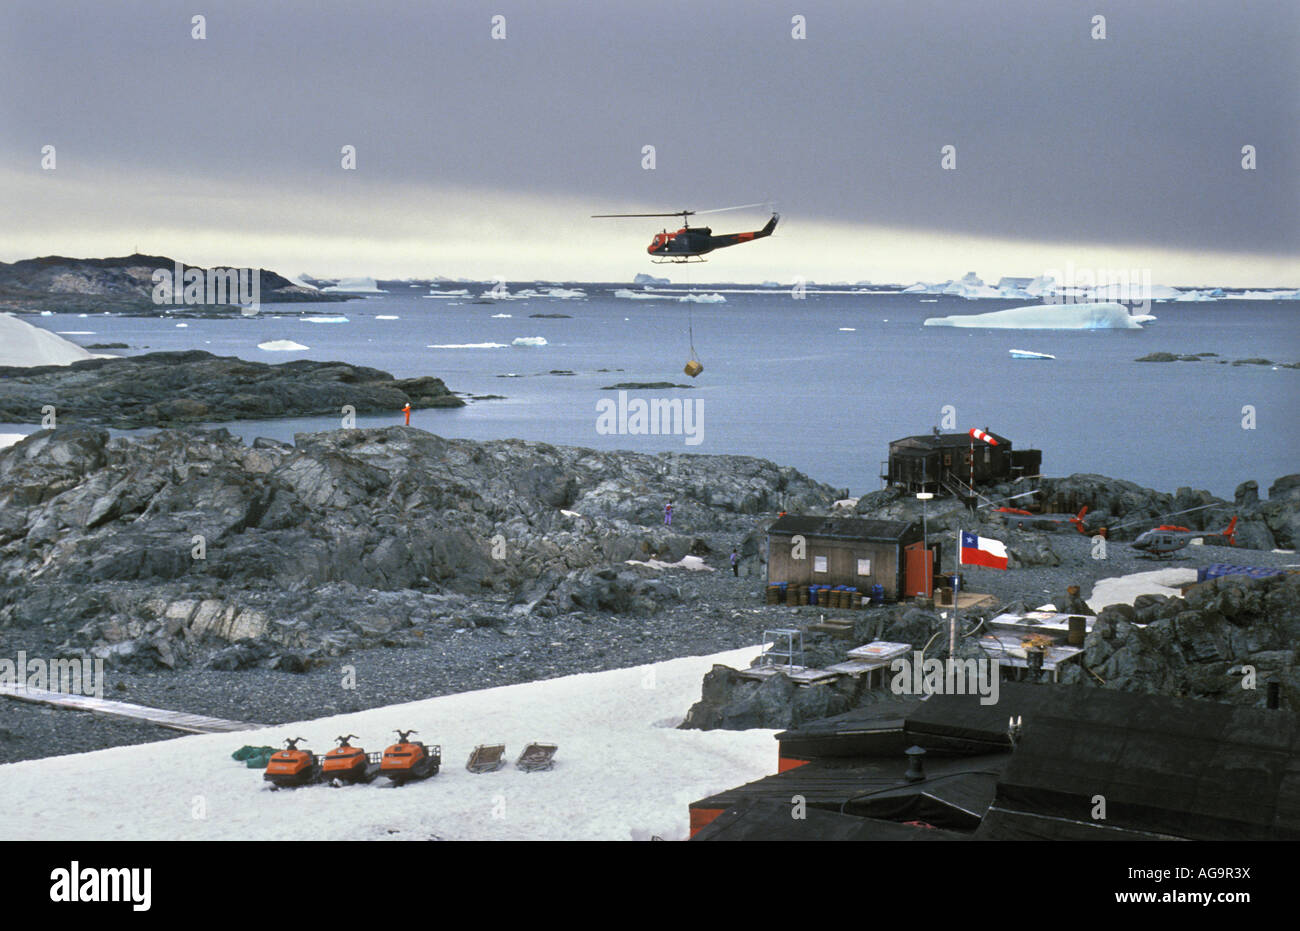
(1134, 139)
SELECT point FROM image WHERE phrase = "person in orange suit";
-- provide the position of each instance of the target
(407, 411)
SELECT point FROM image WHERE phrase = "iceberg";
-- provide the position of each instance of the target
(281, 345)
(1269, 295)
(529, 341)
(643, 278)
(325, 320)
(702, 299)
(1214, 294)
(566, 294)
(355, 286)
(1100, 316)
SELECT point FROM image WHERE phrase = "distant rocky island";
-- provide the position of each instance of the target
(124, 285)
(167, 389)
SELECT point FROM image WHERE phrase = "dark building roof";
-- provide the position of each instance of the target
(843, 528)
(944, 441)
(1169, 768)
(770, 820)
(955, 793)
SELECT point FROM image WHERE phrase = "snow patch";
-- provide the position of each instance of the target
(24, 345)
(607, 726)
(1124, 589)
(688, 562)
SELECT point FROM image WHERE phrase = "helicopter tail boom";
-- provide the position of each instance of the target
(732, 239)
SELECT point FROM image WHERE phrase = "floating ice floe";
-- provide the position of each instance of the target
(467, 346)
(502, 316)
(182, 325)
(1027, 354)
(848, 329)
(1101, 316)
(461, 293)
(566, 294)
(529, 341)
(75, 332)
(630, 295)
(702, 299)
(325, 320)
(356, 286)
(47, 313)
(386, 317)
(281, 345)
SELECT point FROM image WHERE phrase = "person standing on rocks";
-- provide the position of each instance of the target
(735, 563)
(407, 411)
(668, 513)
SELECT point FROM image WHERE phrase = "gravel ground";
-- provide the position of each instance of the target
(717, 612)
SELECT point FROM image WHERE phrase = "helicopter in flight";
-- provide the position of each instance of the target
(691, 244)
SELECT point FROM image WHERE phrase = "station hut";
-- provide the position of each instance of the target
(944, 463)
(848, 551)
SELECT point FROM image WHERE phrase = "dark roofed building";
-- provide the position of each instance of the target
(945, 462)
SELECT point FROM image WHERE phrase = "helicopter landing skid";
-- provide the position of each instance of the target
(684, 260)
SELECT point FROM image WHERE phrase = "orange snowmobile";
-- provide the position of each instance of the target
(346, 763)
(292, 767)
(409, 760)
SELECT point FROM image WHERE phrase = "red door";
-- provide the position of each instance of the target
(919, 572)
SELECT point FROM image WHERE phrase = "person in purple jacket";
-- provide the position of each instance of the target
(668, 513)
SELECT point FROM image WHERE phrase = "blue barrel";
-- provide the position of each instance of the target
(877, 594)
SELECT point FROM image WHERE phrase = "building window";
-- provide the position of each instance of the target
(864, 567)
(819, 564)
(947, 459)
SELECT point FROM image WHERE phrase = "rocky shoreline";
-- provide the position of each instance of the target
(239, 580)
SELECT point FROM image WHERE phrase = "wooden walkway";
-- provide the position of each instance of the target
(175, 720)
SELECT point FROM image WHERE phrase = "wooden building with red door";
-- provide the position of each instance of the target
(850, 551)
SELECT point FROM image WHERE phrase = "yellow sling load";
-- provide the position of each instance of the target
(694, 366)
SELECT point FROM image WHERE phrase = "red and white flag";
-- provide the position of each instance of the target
(982, 551)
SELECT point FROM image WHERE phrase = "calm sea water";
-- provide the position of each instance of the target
(822, 384)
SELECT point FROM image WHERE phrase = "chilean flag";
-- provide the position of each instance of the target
(981, 551)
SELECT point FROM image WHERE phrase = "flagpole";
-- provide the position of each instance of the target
(952, 626)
